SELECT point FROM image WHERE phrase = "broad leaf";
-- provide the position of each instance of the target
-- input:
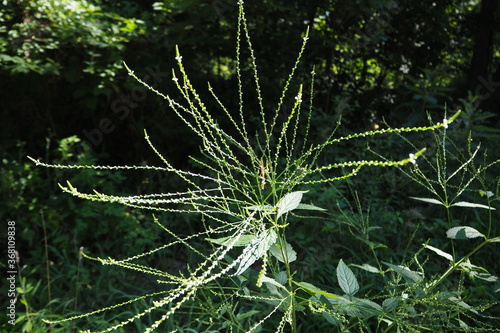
(488, 194)
(356, 307)
(463, 232)
(289, 202)
(409, 275)
(462, 304)
(226, 241)
(274, 287)
(428, 200)
(390, 304)
(311, 289)
(472, 205)
(265, 208)
(438, 251)
(257, 247)
(309, 207)
(277, 252)
(347, 281)
(368, 268)
(477, 271)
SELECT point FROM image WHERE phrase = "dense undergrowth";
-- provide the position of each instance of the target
(274, 226)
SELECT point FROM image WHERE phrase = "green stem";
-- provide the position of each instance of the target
(454, 266)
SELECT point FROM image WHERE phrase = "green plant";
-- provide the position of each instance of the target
(241, 273)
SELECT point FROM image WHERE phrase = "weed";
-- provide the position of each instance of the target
(243, 274)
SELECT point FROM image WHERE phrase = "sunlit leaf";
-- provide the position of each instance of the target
(428, 200)
(438, 251)
(368, 268)
(226, 241)
(257, 247)
(310, 207)
(264, 208)
(315, 290)
(289, 202)
(472, 205)
(289, 252)
(347, 281)
(463, 232)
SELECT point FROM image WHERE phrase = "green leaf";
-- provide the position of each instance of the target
(356, 307)
(264, 208)
(477, 271)
(310, 207)
(494, 240)
(463, 232)
(472, 205)
(429, 200)
(273, 285)
(462, 304)
(409, 275)
(331, 319)
(438, 251)
(256, 249)
(488, 194)
(226, 241)
(277, 252)
(390, 304)
(289, 202)
(245, 315)
(311, 289)
(368, 268)
(347, 281)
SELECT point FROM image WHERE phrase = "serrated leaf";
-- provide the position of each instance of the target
(257, 247)
(277, 252)
(472, 205)
(463, 232)
(428, 200)
(273, 285)
(331, 319)
(368, 268)
(438, 251)
(390, 304)
(346, 278)
(409, 275)
(310, 207)
(289, 202)
(242, 241)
